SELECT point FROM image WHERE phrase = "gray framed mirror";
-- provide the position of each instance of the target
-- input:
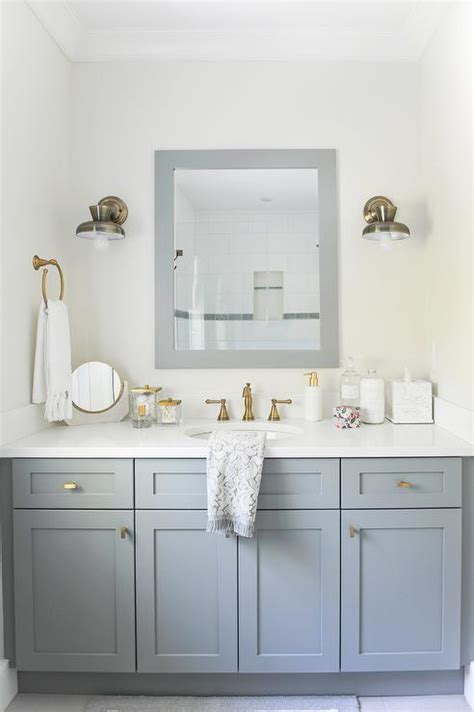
(246, 259)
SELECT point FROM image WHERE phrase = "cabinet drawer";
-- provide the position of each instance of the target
(286, 484)
(73, 484)
(401, 482)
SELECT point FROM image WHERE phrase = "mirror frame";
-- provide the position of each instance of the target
(109, 407)
(166, 162)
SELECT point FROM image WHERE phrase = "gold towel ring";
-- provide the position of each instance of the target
(40, 262)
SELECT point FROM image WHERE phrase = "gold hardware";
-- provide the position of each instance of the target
(248, 403)
(353, 531)
(313, 378)
(146, 390)
(274, 414)
(223, 414)
(169, 401)
(40, 262)
(70, 485)
(124, 532)
(404, 484)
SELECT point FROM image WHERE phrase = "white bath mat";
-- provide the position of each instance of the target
(223, 704)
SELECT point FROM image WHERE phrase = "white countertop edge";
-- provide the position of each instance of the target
(314, 440)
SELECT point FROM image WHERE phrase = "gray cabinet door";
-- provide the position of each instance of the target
(74, 591)
(287, 483)
(57, 483)
(401, 590)
(401, 482)
(186, 594)
(289, 593)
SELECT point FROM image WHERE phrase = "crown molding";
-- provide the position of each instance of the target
(258, 43)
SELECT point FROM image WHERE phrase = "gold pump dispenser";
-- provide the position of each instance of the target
(313, 378)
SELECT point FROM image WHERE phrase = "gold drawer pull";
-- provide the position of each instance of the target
(353, 531)
(70, 485)
(403, 484)
(124, 532)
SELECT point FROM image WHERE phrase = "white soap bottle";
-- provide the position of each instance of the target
(372, 398)
(313, 399)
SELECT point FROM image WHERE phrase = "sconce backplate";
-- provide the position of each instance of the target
(370, 214)
(119, 208)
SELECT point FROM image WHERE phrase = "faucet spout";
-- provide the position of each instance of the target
(248, 403)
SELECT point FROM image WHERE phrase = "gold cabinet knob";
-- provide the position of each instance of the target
(70, 486)
(124, 532)
(404, 484)
(353, 531)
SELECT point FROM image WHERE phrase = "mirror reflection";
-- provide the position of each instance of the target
(246, 259)
(96, 387)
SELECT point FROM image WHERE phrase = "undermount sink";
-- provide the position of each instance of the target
(274, 431)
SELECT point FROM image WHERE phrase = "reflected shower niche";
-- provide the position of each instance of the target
(253, 273)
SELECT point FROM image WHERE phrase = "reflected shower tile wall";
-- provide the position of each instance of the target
(224, 249)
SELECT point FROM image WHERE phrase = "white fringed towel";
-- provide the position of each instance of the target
(234, 473)
(52, 379)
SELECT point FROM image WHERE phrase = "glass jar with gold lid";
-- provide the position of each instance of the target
(169, 412)
(144, 399)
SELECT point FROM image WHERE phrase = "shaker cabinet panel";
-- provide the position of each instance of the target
(74, 591)
(401, 482)
(73, 483)
(401, 590)
(289, 593)
(186, 595)
(287, 483)
(171, 483)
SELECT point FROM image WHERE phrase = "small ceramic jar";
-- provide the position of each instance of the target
(169, 412)
(347, 416)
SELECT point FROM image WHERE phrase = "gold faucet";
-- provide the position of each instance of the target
(248, 402)
(274, 414)
(223, 414)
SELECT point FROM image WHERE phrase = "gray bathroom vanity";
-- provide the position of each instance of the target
(359, 577)
(355, 566)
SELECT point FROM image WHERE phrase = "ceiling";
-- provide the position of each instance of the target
(253, 189)
(97, 30)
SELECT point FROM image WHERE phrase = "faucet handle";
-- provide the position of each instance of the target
(223, 414)
(274, 414)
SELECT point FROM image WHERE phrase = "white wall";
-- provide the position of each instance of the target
(35, 194)
(368, 112)
(446, 153)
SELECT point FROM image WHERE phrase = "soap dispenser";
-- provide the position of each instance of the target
(313, 399)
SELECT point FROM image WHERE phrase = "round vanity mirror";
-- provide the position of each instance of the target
(96, 387)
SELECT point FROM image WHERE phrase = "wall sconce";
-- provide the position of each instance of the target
(108, 217)
(379, 213)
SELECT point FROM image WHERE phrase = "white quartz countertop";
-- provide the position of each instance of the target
(321, 439)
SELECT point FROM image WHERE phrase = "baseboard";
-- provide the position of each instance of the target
(8, 685)
(455, 418)
(378, 684)
(469, 684)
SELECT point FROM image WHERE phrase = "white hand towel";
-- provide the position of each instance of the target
(234, 473)
(52, 380)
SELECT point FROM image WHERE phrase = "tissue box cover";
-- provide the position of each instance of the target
(347, 416)
(410, 402)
